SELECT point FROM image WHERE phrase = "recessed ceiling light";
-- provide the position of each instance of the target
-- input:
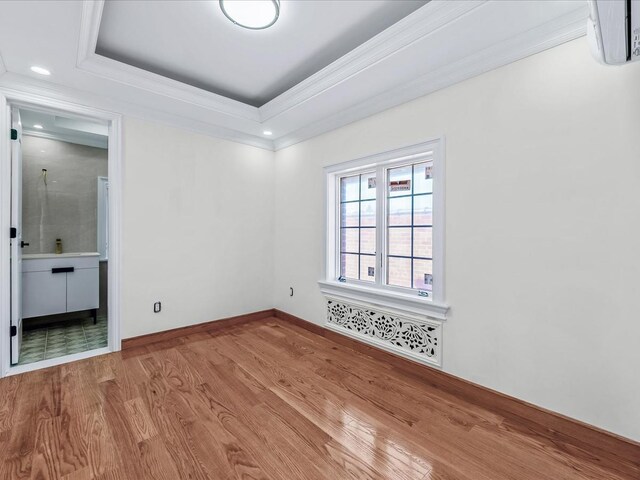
(38, 126)
(40, 70)
(252, 14)
(268, 132)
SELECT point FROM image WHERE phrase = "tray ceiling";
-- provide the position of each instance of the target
(194, 43)
(434, 46)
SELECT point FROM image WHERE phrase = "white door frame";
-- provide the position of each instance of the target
(103, 219)
(16, 241)
(10, 97)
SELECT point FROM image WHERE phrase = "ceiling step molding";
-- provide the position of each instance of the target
(419, 24)
(558, 31)
(120, 72)
(41, 91)
(377, 75)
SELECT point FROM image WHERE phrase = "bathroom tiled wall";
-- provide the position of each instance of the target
(66, 207)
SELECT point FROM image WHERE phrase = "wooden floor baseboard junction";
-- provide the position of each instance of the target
(566, 434)
(553, 426)
(271, 396)
(208, 327)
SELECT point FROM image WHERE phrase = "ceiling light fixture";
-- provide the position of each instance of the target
(38, 126)
(40, 70)
(251, 14)
(268, 132)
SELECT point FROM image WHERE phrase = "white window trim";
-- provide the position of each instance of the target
(402, 300)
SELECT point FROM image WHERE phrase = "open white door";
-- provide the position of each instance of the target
(16, 241)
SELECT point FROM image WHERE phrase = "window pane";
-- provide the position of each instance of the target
(368, 213)
(349, 266)
(357, 208)
(368, 240)
(399, 211)
(423, 210)
(349, 240)
(399, 272)
(399, 241)
(349, 214)
(367, 267)
(350, 188)
(368, 186)
(399, 181)
(409, 229)
(422, 242)
(423, 274)
(422, 178)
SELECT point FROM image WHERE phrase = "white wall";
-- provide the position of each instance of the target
(542, 230)
(197, 228)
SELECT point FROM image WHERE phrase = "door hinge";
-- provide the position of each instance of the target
(13, 232)
(14, 134)
(14, 330)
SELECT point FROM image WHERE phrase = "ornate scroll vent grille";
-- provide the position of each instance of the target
(420, 340)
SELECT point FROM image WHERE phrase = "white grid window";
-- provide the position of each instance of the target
(385, 219)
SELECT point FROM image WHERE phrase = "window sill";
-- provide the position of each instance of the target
(404, 303)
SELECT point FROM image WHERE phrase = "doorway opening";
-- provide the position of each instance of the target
(63, 216)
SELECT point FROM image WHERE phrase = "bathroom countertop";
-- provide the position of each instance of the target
(33, 256)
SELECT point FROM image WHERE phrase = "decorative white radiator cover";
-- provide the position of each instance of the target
(417, 339)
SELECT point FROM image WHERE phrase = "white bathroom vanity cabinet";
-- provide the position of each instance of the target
(52, 283)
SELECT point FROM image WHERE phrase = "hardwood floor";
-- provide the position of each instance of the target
(264, 400)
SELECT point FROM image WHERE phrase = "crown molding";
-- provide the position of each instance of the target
(89, 28)
(315, 106)
(419, 24)
(43, 90)
(89, 61)
(556, 32)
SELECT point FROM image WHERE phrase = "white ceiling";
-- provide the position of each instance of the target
(193, 42)
(437, 45)
(74, 130)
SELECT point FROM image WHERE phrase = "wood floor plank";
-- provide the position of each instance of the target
(267, 400)
(244, 446)
(17, 462)
(139, 419)
(101, 454)
(156, 460)
(171, 414)
(334, 414)
(8, 397)
(124, 440)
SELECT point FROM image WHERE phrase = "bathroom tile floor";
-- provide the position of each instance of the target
(62, 338)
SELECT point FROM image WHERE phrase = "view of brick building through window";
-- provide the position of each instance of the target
(408, 226)
(358, 226)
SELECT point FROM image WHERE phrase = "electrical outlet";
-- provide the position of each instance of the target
(157, 307)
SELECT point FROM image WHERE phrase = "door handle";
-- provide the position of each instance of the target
(62, 270)
(23, 244)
